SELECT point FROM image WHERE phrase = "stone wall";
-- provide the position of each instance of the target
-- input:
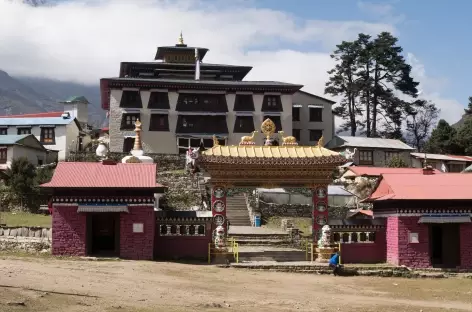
(26, 244)
(137, 246)
(37, 232)
(268, 210)
(69, 231)
(466, 245)
(183, 191)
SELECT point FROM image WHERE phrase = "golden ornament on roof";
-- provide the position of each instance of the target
(248, 139)
(215, 141)
(268, 128)
(321, 142)
(288, 140)
(181, 39)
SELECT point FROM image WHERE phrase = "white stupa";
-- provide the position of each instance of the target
(137, 153)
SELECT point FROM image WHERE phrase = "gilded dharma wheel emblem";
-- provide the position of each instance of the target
(219, 219)
(321, 207)
(219, 192)
(268, 128)
(218, 206)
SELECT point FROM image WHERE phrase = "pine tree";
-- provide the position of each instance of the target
(468, 110)
(443, 140)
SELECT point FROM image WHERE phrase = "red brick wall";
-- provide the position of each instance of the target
(466, 245)
(392, 240)
(365, 252)
(399, 250)
(137, 246)
(183, 247)
(68, 231)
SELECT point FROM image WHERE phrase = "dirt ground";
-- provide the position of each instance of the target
(48, 284)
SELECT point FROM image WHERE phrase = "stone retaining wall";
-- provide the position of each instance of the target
(183, 191)
(26, 244)
(36, 232)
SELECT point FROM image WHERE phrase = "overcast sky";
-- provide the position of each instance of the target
(84, 41)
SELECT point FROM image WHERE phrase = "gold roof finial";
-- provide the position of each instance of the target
(321, 142)
(137, 141)
(181, 38)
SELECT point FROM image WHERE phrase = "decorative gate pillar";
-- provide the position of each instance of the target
(320, 210)
(218, 206)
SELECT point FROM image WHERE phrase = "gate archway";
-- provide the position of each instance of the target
(234, 169)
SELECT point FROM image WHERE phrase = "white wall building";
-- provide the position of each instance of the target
(25, 145)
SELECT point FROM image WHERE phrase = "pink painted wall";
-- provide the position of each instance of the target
(466, 245)
(365, 252)
(68, 231)
(399, 250)
(137, 246)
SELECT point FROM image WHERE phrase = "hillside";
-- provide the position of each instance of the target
(22, 95)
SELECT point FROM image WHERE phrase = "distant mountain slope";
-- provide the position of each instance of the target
(22, 95)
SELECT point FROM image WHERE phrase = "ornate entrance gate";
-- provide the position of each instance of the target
(304, 169)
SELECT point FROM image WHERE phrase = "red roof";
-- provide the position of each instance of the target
(366, 212)
(38, 115)
(453, 186)
(377, 171)
(95, 174)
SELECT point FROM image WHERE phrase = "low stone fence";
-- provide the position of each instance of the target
(268, 210)
(36, 232)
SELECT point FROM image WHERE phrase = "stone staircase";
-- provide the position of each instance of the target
(263, 244)
(236, 210)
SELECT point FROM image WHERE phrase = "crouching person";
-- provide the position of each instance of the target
(334, 262)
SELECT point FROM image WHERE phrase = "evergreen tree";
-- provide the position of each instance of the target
(468, 110)
(342, 82)
(443, 140)
(464, 137)
(397, 162)
(367, 75)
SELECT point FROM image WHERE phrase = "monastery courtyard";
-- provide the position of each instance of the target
(48, 284)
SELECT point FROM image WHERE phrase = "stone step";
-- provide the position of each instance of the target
(263, 242)
(271, 255)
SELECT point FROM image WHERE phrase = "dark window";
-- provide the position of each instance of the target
(201, 230)
(295, 113)
(159, 100)
(315, 135)
(24, 131)
(390, 155)
(128, 121)
(272, 103)
(201, 124)
(3, 131)
(296, 134)
(159, 122)
(183, 144)
(48, 136)
(244, 102)
(202, 103)
(3, 155)
(131, 99)
(243, 124)
(191, 230)
(366, 158)
(316, 114)
(277, 122)
(40, 161)
(128, 145)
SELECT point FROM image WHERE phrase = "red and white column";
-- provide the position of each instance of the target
(320, 210)
(218, 206)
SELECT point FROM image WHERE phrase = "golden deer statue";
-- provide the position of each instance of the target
(288, 140)
(248, 139)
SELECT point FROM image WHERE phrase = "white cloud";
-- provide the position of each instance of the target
(85, 41)
(431, 87)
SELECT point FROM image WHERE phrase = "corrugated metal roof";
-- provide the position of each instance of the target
(444, 186)
(35, 121)
(332, 190)
(37, 115)
(442, 157)
(210, 82)
(377, 171)
(99, 175)
(373, 143)
(12, 139)
(251, 151)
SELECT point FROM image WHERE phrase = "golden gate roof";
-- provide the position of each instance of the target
(253, 151)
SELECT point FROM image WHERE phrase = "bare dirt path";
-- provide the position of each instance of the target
(32, 284)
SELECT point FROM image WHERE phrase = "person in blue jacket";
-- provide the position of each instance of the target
(334, 262)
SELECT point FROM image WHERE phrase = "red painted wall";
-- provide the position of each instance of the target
(466, 245)
(68, 231)
(365, 252)
(399, 250)
(137, 246)
(182, 247)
